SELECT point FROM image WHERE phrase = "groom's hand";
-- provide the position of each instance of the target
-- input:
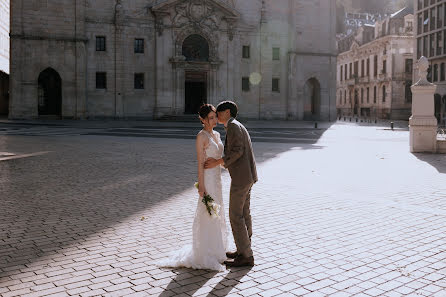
(212, 163)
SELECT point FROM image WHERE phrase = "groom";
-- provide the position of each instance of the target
(239, 160)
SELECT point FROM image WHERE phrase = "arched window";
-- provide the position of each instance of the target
(196, 48)
(384, 93)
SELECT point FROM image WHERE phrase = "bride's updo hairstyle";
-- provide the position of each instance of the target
(205, 110)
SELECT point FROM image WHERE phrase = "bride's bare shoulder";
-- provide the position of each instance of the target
(201, 136)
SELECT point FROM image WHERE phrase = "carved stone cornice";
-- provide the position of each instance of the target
(202, 15)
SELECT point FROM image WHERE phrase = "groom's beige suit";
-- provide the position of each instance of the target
(240, 162)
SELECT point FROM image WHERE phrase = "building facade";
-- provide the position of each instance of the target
(375, 69)
(4, 57)
(154, 59)
(431, 42)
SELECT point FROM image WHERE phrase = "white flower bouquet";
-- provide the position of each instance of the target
(212, 207)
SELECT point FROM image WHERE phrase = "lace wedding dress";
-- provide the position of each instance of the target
(209, 235)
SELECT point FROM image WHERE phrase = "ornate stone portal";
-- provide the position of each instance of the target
(194, 28)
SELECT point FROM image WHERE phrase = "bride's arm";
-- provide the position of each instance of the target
(200, 146)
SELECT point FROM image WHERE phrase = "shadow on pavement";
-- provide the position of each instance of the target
(86, 185)
(225, 286)
(186, 282)
(438, 161)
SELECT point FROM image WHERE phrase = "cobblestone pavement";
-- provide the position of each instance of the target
(352, 213)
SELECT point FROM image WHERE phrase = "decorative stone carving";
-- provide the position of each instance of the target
(197, 13)
(119, 13)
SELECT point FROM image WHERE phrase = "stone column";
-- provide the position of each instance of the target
(423, 124)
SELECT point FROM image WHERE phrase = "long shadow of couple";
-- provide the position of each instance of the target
(202, 282)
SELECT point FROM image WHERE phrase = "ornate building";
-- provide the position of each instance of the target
(375, 69)
(142, 58)
(431, 43)
(4, 56)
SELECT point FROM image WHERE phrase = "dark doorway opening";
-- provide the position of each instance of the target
(4, 94)
(50, 93)
(312, 101)
(195, 91)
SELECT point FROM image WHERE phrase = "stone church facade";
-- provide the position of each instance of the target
(155, 59)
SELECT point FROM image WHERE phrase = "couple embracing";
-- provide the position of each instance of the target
(209, 242)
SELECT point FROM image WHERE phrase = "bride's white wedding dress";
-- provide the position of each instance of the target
(209, 235)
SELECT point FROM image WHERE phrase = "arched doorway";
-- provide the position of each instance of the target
(312, 99)
(196, 51)
(50, 93)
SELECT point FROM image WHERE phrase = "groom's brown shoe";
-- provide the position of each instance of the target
(232, 255)
(240, 261)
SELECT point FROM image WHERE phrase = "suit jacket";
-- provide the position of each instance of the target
(238, 155)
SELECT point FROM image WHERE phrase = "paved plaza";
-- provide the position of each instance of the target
(86, 209)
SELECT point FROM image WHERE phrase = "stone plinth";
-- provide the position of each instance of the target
(423, 124)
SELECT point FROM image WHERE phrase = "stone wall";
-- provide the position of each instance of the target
(63, 37)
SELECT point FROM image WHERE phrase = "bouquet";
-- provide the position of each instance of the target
(212, 207)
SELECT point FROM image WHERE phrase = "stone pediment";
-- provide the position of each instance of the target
(196, 9)
(199, 13)
(202, 15)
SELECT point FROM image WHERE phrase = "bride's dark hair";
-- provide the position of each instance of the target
(205, 110)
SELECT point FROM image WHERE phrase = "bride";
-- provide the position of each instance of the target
(209, 234)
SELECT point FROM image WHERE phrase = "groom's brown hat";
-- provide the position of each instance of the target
(222, 106)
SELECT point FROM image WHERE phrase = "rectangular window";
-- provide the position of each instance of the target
(444, 41)
(408, 93)
(345, 72)
(426, 21)
(439, 43)
(384, 94)
(433, 19)
(100, 43)
(368, 67)
(419, 23)
(435, 72)
(439, 16)
(362, 95)
(356, 68)
(374, 94)
(384, 67)
(425, 46)
(246, 52)
(245, 84)
(275, 85)
(345, 97)
(419, 47)
(409, 66)
(442, 72)
(341, 73)
(276, 53)
(368, 95)
(139, 46)
(432, 45)
(101, 80)
(362, 68)
(139, 81)
(375, 66)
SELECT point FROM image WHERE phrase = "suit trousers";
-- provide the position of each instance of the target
(240, 217)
